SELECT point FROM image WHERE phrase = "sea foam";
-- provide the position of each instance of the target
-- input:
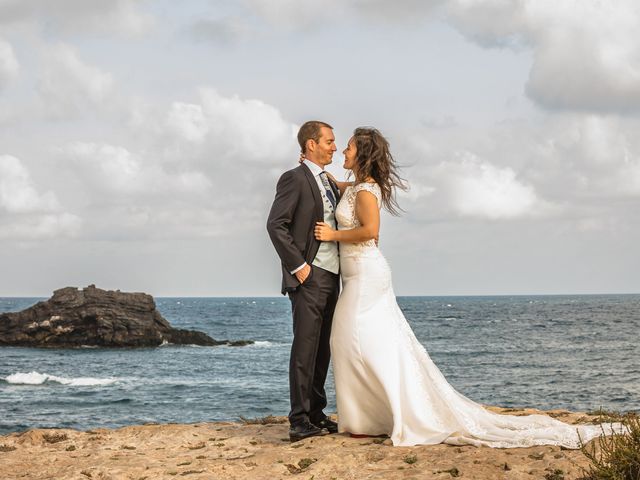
(36, 378)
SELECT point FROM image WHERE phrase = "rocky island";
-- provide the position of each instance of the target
(91, 316)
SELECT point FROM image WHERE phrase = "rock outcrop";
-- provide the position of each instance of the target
(94, 317)
(261, 449)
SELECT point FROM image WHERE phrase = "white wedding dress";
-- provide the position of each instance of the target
(385, 381)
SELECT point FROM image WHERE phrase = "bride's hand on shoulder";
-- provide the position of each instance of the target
(330, 175)
(342, 186)
(324, 232)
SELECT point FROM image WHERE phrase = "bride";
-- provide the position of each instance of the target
(386, 383)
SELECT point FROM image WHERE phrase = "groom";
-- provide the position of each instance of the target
(304, 196)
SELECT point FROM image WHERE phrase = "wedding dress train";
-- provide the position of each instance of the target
(385, 380)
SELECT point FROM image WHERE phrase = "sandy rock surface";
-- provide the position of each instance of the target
(225, 450)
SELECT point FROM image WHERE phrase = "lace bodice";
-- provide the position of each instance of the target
(347, 218)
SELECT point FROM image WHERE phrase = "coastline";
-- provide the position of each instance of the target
(242, 450)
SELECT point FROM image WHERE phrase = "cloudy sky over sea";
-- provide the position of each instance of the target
(140, 141)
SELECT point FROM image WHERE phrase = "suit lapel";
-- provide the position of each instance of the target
(319, 210)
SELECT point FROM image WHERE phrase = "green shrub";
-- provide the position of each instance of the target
(615, 457)
(410, 459)
(555, 474)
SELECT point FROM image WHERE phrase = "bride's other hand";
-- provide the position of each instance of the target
(302, 158)
(324, 232)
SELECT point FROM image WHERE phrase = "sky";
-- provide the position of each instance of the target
(141, 141)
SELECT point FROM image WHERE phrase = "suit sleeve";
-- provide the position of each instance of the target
(280, 218)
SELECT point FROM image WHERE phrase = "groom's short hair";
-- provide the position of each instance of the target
(310, 131)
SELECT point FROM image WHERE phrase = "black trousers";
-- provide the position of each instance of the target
(312, 305)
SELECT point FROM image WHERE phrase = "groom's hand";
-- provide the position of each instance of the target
(302, 275)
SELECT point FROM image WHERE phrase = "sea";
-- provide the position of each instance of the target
(576, 352)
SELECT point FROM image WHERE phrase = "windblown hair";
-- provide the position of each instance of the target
(310, 131)
(374, 160)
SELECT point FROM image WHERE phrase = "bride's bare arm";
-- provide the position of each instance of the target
(341, 185)
(368, 215)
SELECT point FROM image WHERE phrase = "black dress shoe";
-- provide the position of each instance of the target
(327, 424)
(302, 431)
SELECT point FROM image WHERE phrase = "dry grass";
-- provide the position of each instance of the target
(607, 416)
(54, 437)
(269, 419)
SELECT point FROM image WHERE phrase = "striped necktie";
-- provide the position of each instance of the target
(327, 188)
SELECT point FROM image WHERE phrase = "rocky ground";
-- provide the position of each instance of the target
(225, 450)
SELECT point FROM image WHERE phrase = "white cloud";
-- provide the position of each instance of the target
(222, 30)
(188, 121)
(9, 66)
(107, 169)
(232, 129)
(24, 212)
(571, 167)
(296, 13)
(586, 52)
(121, 16)
(477, 20)
(40, 227)
(597, 158)
(197, 169)
(125, 195)
(310, 15)
(247, 128)
(17, 192)
(156, 159)
(399, 10)
(473, 187)
(69, 86)
(483, 190)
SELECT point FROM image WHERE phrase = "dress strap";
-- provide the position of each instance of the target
(370, 187)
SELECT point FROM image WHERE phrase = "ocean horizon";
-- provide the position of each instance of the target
(576, 352)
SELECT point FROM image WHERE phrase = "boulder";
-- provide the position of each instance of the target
(91, 316)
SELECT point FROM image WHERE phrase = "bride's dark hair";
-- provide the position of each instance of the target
(374, 160)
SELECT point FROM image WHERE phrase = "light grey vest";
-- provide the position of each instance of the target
(327, 257)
